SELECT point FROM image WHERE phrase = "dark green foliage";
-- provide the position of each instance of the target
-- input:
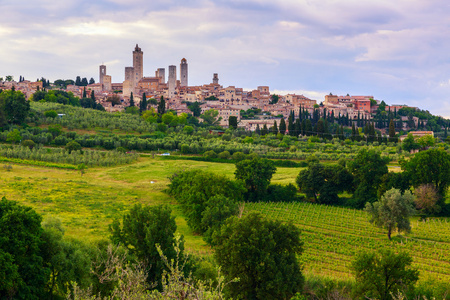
(50, 114)
(281, 193)
(23, 273)
(141, 230)
(409, 143)
(131, 100)
(262, 254)
(256, 175)
(324, 182)
(14, 108)
(282, 126)
(195, 108)
(143, 104)
(162, 106)
(193, 189)
(218, 209)
(367, 168)
(72, 146)
(378, 274)
(430, 166)
(232, 122)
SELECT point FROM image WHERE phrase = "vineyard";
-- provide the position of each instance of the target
(333, 235)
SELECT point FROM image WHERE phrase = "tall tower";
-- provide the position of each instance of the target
(102, 70)
(215, 78)
(184, 72)
(161, 73)
(138, 65)
(172, 80)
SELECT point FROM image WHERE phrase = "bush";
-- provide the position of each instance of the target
(50, 114)
(28, 143)
(210, 154)
(224, 155)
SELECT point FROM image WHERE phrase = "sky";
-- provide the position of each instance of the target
(397, 51)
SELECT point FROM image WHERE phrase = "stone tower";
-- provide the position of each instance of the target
(184, 72)
(161, 73)
(102, 73)
(138, 65)
(172, 80)
(215, 78)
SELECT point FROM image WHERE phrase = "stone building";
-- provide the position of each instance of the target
(161, 73)
(172, 80)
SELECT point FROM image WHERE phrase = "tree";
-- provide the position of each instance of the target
(73, 146)
(9, 78)
(409, 143)
(84, 81)
(274, 128)
(431, 166)
(264, 130)
(141, 230)
(195, 108)
(262, 254)
(143, 104)
(194, 189)
(427, 199)
(282, 126)
(324, 182)
(378, 274)
(114, 99)
(78, 81)
(93, 96)
(232, 122)
(392, 211)
(131, 100)
(256, 175)
(91, 81)
(210, 117)
(367, 168)
(23, 272)
(392, 136)
(162, 106)
(15, 107)
(217, 209)
(13, 136)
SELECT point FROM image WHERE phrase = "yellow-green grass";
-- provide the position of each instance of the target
(334, 235)
(87, 204)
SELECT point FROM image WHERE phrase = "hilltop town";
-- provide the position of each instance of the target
(227, 101)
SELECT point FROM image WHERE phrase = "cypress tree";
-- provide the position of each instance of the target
(162, 106)
(131, 100)
(258, 130)
(275, 127)
(282, 126)
(143, 104)
(392, 137)
(264, 130)
(298, 128)
(93, 96)
(84, 93)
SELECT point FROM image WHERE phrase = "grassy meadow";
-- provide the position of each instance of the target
(88, 203)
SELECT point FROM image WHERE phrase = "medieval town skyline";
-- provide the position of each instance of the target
(397, 52)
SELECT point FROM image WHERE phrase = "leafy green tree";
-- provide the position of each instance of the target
(51, 114)
(431, 166)
(426, 141)
(367, 168)
(13, 136)
(9, 78)
(256, 175)
(73, 146)
(379, 274)
(188, 129)
(262, 254)
(16, 107)
(193, 189)
(232, 122)
(195, 108)
(324, 183)
(141, 231)
(409, 143)
(218, 209)
(133, 110)
(210, 117)
(392, 211)
(23, 273)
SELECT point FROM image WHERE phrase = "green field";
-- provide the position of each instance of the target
(87, 204)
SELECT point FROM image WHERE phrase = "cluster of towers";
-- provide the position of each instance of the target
(134, 74)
